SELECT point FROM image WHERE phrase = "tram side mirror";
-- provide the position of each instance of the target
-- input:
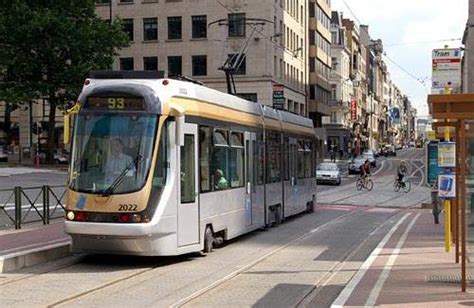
(66, 128)
(179, 131)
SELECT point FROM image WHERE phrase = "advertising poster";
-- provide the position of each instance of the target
(432, 163)
(447, 154)
(447, 186)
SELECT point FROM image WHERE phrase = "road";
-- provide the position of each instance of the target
(306, 261)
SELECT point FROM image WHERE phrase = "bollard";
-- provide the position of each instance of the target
(17, 191)
(435, 205)
(45, 190)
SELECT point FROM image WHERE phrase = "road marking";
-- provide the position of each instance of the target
(381, 167)
(346, 293)
(374, 294)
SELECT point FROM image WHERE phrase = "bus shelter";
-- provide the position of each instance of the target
(454, 115)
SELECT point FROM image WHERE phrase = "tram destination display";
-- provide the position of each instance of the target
(115, 103)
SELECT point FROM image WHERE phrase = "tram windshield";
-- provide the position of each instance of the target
(111, 152)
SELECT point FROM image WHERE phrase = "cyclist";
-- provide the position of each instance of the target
(365, 170)
(401, 172)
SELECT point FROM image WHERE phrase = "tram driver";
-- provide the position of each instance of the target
(118, 161)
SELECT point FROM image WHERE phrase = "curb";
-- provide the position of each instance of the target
(18, 260)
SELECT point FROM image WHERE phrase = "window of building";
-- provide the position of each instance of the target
(175, 66)
(312, 64)
(126, 1)
(252, 97)
(199, 24)
(150, 29)
(199, 65)
(126, 64)
(174, 28)
(236, 25)
(241, 68)
(127, 24)
(312, 37)
(150, 63)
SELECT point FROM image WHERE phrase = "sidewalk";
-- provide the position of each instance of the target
(411, 269)
(27, 247)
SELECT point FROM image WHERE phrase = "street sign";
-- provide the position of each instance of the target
(353, 109)
(447, 154)
(278, 96)
(446, 68)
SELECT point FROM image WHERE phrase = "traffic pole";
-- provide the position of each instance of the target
(447, 209)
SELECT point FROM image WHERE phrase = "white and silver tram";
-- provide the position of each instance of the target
(166, 167)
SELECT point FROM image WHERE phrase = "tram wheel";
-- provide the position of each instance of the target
(208, 240)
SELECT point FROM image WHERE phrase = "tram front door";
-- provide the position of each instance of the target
(188, 205)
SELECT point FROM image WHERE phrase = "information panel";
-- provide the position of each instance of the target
(447, 154)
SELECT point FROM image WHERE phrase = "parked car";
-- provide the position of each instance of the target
(3, 154)
(368, 155)
(411, 144)
(398, 147)
(354, 165)
(61, 157)
(389, 150)
(328, 173)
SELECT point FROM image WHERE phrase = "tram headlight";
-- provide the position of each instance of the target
(136, 218)
(70, 215)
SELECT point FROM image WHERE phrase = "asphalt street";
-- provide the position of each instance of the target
(306, 261)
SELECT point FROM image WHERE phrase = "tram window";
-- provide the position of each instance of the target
(220, 137)
(187, 170)
(286, 157)
(205, 142)
(220, 159)
(273, 164)
(301, 159)
(260, 152)
(162, 163)
(236, 160)
(307, 159)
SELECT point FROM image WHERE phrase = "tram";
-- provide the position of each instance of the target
(168, 167)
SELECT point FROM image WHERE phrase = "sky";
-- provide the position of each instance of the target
(410, 29)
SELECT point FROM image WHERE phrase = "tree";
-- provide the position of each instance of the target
(47, 49)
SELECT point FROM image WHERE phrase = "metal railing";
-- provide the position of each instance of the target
(22, 205)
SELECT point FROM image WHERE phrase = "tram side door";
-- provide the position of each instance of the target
(293, 162)
(188, 205)
(250, 189)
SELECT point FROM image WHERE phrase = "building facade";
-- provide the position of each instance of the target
(319, 47)
(270, 36)
(338, 123)
(468, 58)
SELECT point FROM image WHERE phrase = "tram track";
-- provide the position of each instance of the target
(159, 270)
(306, 298)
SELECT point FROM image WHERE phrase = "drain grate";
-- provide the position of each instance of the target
(448, 278)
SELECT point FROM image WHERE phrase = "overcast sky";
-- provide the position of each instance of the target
(408, 29)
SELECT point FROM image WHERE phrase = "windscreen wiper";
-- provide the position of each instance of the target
(110, 190)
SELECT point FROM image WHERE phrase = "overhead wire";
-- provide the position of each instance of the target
(385, 53)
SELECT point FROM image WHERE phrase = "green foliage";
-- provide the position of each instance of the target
(48, 47)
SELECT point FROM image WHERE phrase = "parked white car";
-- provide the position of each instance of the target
(328, 173)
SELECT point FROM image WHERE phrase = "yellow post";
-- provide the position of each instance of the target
(447, 225)
(447, 210)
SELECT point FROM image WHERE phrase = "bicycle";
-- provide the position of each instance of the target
(404, 183)
(366, 183)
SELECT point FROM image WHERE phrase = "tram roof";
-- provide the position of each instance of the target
(164, 89)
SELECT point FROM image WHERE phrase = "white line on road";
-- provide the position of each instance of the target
(381, 167)
(374, 294)
(346, 293)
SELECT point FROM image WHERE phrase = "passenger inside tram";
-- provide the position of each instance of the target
(220, 181)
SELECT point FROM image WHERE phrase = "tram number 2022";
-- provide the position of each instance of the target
(127, 207)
